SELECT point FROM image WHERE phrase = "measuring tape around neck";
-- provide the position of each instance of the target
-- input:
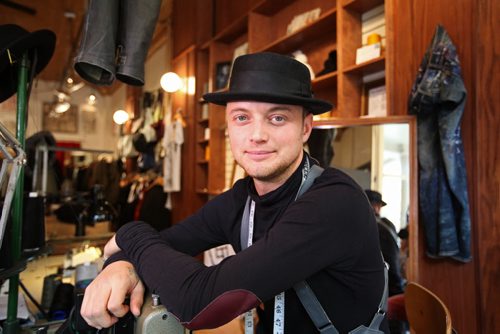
(279, 299)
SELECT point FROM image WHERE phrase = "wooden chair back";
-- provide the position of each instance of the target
(426, 312)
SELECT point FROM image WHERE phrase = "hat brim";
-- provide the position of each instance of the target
(382, 203)
(315, 106)
(44, 41)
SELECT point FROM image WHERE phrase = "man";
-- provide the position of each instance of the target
(388, 238)
(327, 236)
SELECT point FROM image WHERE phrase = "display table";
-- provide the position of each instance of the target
(61, 237)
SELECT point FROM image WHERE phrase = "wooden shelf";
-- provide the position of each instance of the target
(362, 6)
(205, 191)
(368, 67)
(264, 27)
(203, 141)
(336, 122)
(315, 30)
(235, 30)
(326, 80)
(271, 7)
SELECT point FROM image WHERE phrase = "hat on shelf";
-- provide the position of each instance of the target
(375, 197)
(270, 77)
(14, 41)
(330, 64)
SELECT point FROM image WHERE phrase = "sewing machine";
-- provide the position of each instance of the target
(154, 319)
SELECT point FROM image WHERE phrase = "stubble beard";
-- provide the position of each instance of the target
(273, 173)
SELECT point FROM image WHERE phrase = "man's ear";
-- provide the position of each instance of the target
(307, 128)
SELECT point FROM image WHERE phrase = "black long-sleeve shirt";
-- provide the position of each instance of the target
(328, 236)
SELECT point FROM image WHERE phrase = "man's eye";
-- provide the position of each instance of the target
(278, 119)
(241, 118)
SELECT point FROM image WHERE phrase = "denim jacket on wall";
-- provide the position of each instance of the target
(438, 98)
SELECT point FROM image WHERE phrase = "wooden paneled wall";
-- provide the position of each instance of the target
(486, 145)
(228, 10)
(467, 289)
(186, 201)
(470, 290)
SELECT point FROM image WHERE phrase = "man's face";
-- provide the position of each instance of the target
(267, 139)
(376, 207)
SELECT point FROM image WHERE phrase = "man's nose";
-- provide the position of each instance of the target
(259, 132)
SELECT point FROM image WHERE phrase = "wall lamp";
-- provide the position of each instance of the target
(171, 82)
(120, 117)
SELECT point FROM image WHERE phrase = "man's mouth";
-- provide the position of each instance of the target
(258, 155)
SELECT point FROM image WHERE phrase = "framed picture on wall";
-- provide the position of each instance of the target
(373, 99)
(89, 121)
(66, 122)
(222, 71)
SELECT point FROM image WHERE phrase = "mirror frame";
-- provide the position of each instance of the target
(412, 262)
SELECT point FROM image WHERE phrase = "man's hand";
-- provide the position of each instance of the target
(111, 247)
(103, 301)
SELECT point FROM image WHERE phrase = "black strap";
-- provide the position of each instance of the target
(314, 309)
(319, 316)
(312, 174)
(302, 289)
(244, 225)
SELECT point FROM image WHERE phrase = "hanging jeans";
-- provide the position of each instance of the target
(438, 99)
(115, 40)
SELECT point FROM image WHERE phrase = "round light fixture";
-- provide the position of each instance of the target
(171, 82)
(91, 99)
(120, 117)
(61, 107)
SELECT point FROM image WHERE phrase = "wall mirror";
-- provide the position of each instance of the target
(377, 154)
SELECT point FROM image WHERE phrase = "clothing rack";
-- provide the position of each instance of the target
(44, 149)
(11, 324)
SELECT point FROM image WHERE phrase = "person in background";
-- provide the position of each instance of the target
(327, 236)
(404, 249)
(389, 244)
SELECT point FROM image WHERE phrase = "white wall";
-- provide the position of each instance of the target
(156, 65)
(104, 136)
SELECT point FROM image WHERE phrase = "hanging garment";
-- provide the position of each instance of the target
(126, 147)
(320, 145)
(438, 98)
(152, 208)
(172, 143)
(115, 41)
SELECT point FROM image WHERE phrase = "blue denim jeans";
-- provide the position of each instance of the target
(438, 98)
(115, 40)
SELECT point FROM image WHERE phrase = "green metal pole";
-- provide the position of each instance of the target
(11, 324)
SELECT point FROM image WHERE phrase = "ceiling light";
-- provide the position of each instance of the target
(91, 99)
(61, 107)
(61, 96)
(171, 82)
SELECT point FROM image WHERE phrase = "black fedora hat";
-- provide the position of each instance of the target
(14, 41)
(270, 77)
(375, 197)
